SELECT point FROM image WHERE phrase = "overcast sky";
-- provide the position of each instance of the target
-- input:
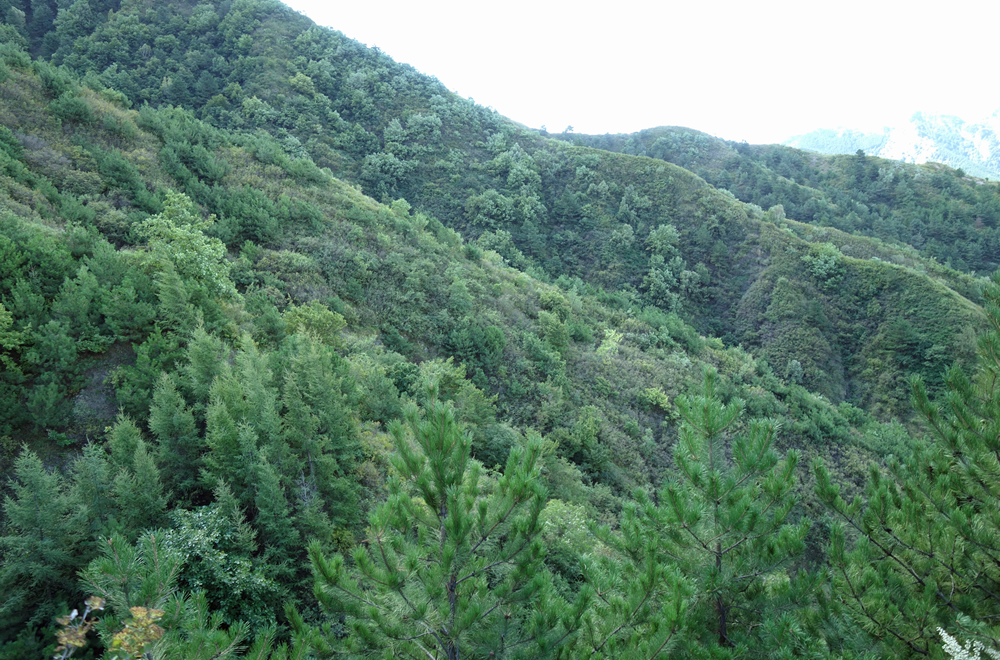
(757, 71)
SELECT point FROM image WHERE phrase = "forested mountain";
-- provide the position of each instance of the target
(303, 356)
(972, 146)
(943, 214)
(568, 212)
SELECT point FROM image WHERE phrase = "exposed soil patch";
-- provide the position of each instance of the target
(95, 407)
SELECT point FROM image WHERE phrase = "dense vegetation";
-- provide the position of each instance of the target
(301, 355)
(549, 210)
(942, 214)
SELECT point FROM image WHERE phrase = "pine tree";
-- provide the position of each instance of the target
(127, 575)
(146, 575)
(639, 604)
(927, 548)
(724, 517)
(450, 568)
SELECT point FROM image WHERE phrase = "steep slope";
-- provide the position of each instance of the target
(555, 210)
(80, 187)
(170, 375)
(203, 330)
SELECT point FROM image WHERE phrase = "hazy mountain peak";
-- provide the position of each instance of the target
(972, 145)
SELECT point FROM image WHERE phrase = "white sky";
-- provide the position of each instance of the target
(756, 70)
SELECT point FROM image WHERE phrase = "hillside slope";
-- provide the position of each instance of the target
(237, 248)
(941, 213)
(554, 210)
(128, 323)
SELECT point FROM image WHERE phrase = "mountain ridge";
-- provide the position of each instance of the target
(970, 145)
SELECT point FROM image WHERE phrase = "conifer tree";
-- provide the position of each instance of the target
(42, 541)
(639, 604)
(723, 518)
(273, 513)
(242, 418)
(127, 575)
(232, 451)
(207, 359)
(176, 312)
(273, 520)
(256, 400)
(927, 548)
(179, 446)
(136, 487)
(451, 568)
(92, 482)
(146, 575)
(318, 425)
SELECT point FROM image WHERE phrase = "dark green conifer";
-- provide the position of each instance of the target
(927, 548)
(176, 312)
(42, 541)
(138, 491)
(179, 446)
(452, 565)
(92, 486)
(278, 536)
(724, 518)
(319, 428)
(207, 358)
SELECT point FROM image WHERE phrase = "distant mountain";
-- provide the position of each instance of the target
(972, 146)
